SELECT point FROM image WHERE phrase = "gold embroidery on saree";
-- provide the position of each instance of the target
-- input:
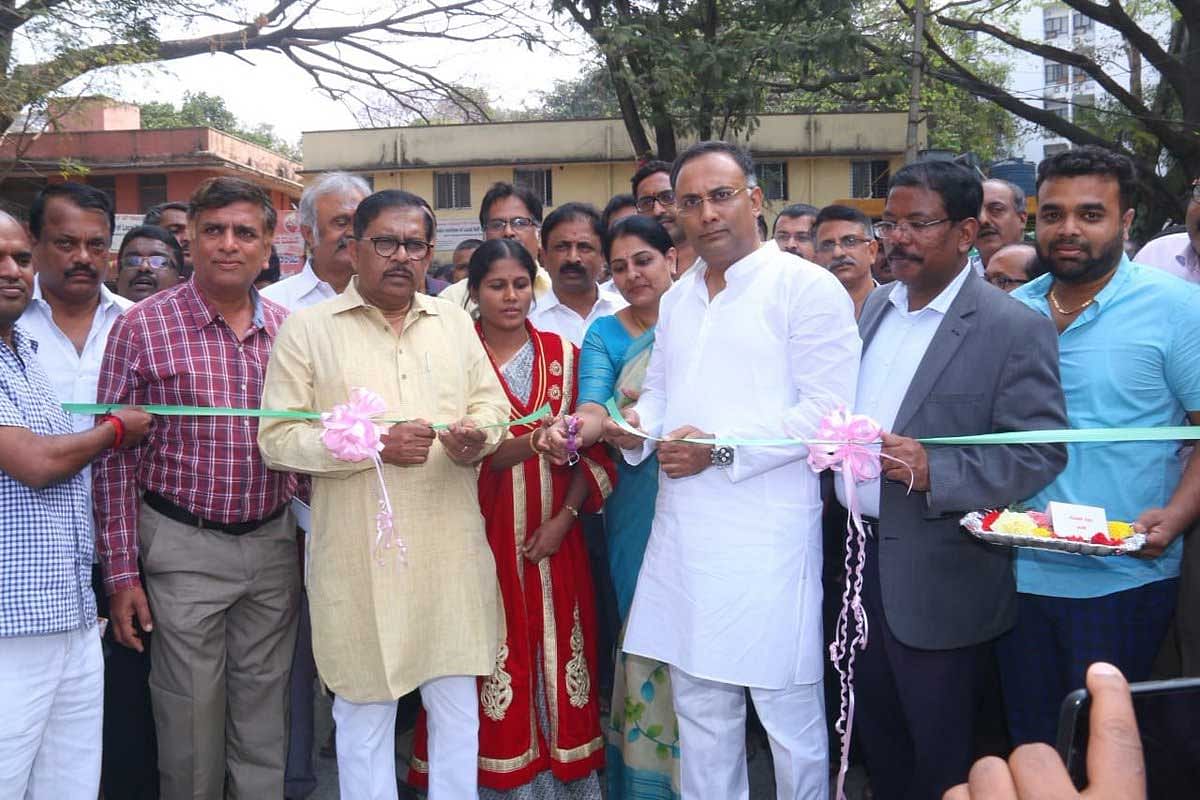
(578, 680)
(497, 694)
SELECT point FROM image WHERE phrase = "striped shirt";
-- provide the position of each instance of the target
(175, 349)
(45, 534)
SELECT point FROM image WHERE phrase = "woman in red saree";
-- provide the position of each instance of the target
(539, 719)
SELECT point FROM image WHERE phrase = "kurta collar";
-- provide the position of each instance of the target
(351, 299)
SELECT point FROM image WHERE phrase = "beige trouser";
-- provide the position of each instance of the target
(225, 612)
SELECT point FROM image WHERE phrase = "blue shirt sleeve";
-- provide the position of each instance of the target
(597, 367)
(1183, 356)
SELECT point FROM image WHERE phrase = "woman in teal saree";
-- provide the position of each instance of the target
(643, 738)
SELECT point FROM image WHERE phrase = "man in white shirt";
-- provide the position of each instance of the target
(69, 316)
(1178, 253)
(326, 212)
(571, 253)
(508, 211)
(751, 343)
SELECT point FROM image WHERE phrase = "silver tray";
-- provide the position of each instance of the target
(973, 522)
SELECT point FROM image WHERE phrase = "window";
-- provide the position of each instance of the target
(1055, 73)
(452, 189)
(772, 177)
(152, 190)
(539, 181)
(869, 178)
(1054, 149)
(1082, 23)
(1055, 26)
(1058, 107)
(1079, 76)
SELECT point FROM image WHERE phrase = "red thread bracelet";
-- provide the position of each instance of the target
(118, 426)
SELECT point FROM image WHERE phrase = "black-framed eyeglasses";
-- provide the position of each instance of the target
(1004, 282)
(691, 203)
(386, 246)
(888, 228)
(665, 198)
(516, 223)
(153, 262)
(846, 243)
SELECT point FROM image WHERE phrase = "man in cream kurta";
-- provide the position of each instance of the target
(752, 343)
(381, 630)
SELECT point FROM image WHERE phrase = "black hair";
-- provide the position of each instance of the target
(763, 235)
(836, 213)
(569, 212)
(648, 229)
(271, 273)
(155, 214)
(1093, 160)
(79, 194)
(795, 211)
(501, 190)
(158, 234)
(738, 154)
(651, 167)
(616, 203)
(223, 191)
(374, 205)
(467, 244)
(492, 251)
(960, 188)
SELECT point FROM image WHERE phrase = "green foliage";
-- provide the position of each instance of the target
(589, 95)
(201, 109)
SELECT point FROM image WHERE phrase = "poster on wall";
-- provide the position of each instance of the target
(289, 243)
(124, 224)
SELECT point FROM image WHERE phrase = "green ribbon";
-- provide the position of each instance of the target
(1053, 436)
(272, 413)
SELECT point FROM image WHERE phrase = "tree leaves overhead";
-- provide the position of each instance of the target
(203, 109)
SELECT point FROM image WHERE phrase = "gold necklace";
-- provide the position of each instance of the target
(1067, 312)
(643, 327)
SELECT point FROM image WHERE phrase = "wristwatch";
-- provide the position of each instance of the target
(722, 456)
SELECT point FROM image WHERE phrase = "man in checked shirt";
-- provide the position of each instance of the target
(208, 519)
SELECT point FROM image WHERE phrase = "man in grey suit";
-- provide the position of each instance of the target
(944, 354)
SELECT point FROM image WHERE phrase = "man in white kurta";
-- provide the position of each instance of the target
(753, 343)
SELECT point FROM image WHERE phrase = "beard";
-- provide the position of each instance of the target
(1093, 264)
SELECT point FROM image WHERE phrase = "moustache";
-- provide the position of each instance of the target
(342, 243)
(81, 269)
(901, 255)
(987, 229)
(398, 272)
(842, 261)
(574, 269)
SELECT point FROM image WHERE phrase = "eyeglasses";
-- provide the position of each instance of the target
(665, 198)
(1004, 282)
(888, 228)
(800, 238)
(846, 243)
(516, 223)
(386, 246)
(691, 203)
(153, 262)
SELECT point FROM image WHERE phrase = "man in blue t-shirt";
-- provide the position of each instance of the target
(1129, 358)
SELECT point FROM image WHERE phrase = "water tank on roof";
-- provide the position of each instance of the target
(1015, 170)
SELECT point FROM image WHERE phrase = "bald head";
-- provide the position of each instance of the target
(16, 273)
(1011, 266)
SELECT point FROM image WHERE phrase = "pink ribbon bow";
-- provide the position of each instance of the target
(351, 435)
(842, 443)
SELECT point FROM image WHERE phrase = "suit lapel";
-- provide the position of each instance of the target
(946, 341)
(868, 323)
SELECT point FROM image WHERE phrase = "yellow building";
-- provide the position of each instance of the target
(800, 158)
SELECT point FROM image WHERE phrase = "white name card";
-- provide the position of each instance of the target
(1069, 519)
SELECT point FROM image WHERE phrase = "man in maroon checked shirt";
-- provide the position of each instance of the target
(209, 521)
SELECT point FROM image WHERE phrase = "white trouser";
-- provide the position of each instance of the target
(366, 749)
(51, 715)
(712, 738)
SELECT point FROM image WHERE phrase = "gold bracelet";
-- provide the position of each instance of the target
(533, 442)
(574, 511)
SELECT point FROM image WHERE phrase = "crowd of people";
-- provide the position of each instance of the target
(573, 605)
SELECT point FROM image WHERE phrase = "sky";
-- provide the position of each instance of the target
(273, 90)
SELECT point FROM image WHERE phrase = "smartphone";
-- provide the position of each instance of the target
(1168, 719)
